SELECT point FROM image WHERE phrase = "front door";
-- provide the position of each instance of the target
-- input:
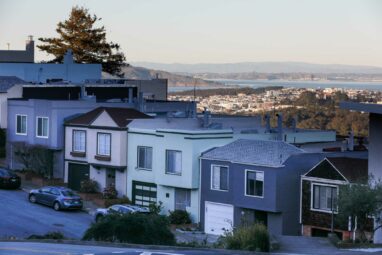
(144, 193)
(110, 177)
(76, 174)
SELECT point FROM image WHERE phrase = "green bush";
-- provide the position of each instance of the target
(50, 235)
(249, 237)
(110, 192)
(179, 217)
(110, 202)
(89, 186)
(156, 208)
(132, 228)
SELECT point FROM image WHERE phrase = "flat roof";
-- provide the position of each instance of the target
(362, 107)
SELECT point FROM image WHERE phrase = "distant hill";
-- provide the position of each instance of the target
(260, 67)
(174, 80)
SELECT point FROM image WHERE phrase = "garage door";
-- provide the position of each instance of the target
(218, 217)
(144, 193)
(77, 173)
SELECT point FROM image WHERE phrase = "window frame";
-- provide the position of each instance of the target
(152, 151)
(26, 124)
(85, 147)
(245, 182)
(47, 127)
(181, 163)
(211, 177)
(103, 155)
(312, 197)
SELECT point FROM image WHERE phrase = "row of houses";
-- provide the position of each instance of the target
(223, 170)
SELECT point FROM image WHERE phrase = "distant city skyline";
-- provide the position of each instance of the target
(214, 31)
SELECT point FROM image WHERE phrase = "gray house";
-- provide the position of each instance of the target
(252, 180)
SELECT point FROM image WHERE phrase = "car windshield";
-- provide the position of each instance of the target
(5, 172)
(69, 193)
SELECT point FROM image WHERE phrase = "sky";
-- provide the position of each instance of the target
(215, 31)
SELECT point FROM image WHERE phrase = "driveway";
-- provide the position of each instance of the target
(19, 218)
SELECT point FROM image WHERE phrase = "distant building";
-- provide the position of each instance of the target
(19, 56)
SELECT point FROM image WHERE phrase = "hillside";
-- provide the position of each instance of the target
(261, 67)
(174, 80)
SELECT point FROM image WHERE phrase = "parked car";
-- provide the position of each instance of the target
(57, 197)
(8, 179)
(119, 209)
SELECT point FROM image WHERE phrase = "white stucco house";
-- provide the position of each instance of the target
(95, 147)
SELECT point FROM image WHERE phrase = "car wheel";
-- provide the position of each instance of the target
(56, 206)
(98, 218)
(32, 198)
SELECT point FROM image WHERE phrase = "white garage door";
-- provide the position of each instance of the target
(218, 217)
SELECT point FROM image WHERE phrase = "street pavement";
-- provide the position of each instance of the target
(19, 218)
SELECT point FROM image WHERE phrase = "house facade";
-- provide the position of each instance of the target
(250, 181)
(374, 147)
(320, 188)
(95, 147)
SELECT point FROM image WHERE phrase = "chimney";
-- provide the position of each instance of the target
(279, 126)
(350, 143)
(206, 118)
(68, 57)
(267, 119)
(29, 48)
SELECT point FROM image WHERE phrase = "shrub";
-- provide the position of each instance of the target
(132, 228)
(179, 217)
(89, 186)
(156, 208)
(110, 202)
(248, 237)
(110, 192)
(50, 235)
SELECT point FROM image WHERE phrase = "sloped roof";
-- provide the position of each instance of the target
(342, 169)
(6, 82)
(354, 169)
(256, 152)
(121, 116)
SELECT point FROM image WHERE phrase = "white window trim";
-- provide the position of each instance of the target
(181, 162)
(99, 154)
(26, 124)
(245, 182)
(311, 197)
(152, 156)
(73, 145)
(47, 129)
(211, 186)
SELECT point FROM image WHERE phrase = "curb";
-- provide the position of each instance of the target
(129, 245)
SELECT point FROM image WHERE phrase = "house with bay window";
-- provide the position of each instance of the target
(320, 188)
(95, 147)
(249, 181)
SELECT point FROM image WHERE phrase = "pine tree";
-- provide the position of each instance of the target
(87, 42)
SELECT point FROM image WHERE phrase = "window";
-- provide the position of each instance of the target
(323, 197)
(42, 127)
(254, 183)
(103, 144)
(173, 162)
(219, 177)
(79, 141)
(145, 157)
(182, 199)
(21, 124)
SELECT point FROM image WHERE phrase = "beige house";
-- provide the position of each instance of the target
(95, 147)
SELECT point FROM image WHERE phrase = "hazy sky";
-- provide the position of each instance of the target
(215, 31)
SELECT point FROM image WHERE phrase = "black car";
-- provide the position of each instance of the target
(8, 179)
(57, 197)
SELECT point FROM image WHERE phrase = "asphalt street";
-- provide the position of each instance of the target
(19, 218)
